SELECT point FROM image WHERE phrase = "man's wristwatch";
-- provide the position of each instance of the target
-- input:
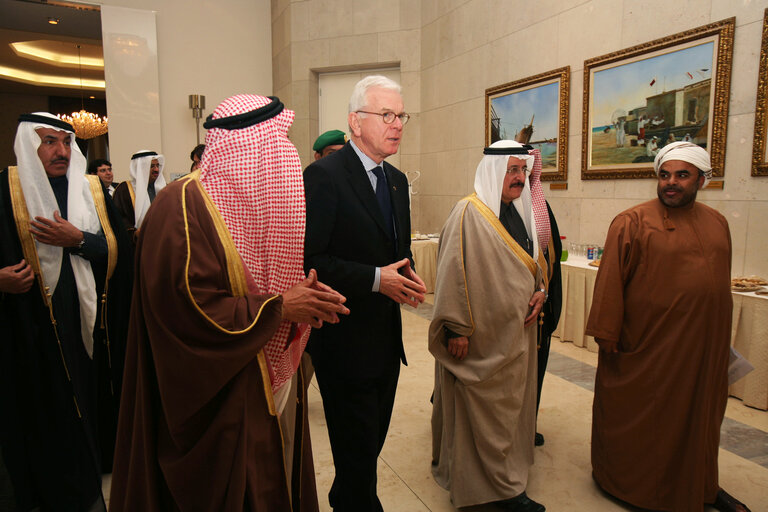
(79, 246)
(546, 295)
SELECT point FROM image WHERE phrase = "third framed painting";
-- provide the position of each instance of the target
(639, 99)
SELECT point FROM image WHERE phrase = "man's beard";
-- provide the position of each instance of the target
(683, 199)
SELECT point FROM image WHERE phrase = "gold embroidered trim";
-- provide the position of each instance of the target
(234, 261)
(503, 233)
(542, 263)
(131, 193)
(21, 217)
(463, 268)
(236, 275)
(28, 248)
(101, 210)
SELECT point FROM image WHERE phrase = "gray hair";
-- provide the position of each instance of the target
(360, 92)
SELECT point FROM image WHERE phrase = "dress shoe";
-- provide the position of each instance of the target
(520, 503)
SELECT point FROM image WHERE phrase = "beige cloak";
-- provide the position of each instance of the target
(483, 419)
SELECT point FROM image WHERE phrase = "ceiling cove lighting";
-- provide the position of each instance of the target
(54, 53)
(28, 77)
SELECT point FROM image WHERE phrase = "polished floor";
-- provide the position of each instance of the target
(560, 478)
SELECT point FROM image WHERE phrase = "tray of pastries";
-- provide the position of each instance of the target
(594, 263)
(748, 283)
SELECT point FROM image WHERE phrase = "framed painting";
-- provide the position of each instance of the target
(760, 144)
(533, 111)
(639, 99)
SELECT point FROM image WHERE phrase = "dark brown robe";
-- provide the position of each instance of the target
(662, 292)
(198, 429)
(124, 202)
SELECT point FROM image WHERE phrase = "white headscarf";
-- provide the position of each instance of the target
(687, 152)
(489, 180)
(140, 180)
(81, 213)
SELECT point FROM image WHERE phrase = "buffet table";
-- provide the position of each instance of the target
(749, 334)
(425, 259)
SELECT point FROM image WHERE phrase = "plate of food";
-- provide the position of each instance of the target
(594, 263)
(748, 284)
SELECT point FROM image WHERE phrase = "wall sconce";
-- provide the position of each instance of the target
(197, 104)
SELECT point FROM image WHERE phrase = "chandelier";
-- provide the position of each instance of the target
(87, 125)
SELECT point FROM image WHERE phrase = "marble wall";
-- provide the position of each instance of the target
(450, 51)
(203, 47)
(316, 36)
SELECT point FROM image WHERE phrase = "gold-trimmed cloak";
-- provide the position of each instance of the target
(483, 419)
(197, 429)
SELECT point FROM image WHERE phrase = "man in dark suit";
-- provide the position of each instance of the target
(358, 240)
(103, 169)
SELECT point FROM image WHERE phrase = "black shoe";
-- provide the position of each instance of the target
(727, 503)
(521, 503)
(538, 440)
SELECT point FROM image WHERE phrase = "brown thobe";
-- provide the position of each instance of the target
(198, 429)
(663, 293)
(483, 418)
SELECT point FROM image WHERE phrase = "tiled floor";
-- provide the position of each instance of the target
(560, 477)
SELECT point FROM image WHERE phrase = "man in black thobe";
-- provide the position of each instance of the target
(63, 336)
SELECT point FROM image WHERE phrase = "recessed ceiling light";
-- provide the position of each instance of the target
(53, 21)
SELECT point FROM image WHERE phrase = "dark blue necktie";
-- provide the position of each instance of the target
(382, 195)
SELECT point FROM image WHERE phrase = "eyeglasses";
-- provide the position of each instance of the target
(517, 170)
(388, 117)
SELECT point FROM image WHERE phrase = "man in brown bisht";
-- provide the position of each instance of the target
(489, 291)
(218, 327)
(662, 317)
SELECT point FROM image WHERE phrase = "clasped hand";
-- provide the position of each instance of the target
(59, 231)
(16, 278)
(405, 288)
(535, 304)
(313, 302)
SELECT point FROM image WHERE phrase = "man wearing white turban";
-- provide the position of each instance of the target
(58, 336)
(661, 315)
(490, 287)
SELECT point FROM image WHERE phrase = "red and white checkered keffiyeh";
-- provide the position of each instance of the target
(539, 204)
(254, 178)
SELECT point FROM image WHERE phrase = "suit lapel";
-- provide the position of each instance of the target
(360, 183)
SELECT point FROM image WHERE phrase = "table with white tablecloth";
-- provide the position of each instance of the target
(425, 260)
(749, 334)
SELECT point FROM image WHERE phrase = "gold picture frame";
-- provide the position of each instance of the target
(537, 104)
(760, 144)
(638, 99)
